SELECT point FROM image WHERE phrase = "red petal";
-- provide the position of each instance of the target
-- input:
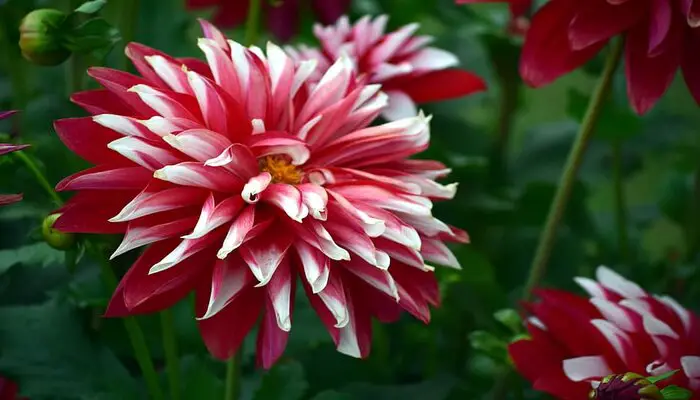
(547, 53)
(691, 61)
(107, 178)
(649, 77)
(119, 83)
(90, 210)
(271, 340)
(88, 140)
(439, 85)
(6, 199)
(224, 332)
(101, 101)
(599, 21)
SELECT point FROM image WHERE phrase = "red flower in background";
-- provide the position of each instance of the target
(660, 37)
(6, 199)
(282, 15)
(9, 390)
(619, 329)
(241, 175)
(409, 71)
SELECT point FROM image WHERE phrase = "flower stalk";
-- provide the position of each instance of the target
(233, 375)
(172, 360)
(568, 177)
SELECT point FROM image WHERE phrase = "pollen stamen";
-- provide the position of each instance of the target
(281, 169)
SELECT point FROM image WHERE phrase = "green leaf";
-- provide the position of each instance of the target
(285, 381)
(510, 319)
(332, 395)
(91, 7)
(674, 392)
(662, 377)
(489, 344)
(48, 351)
(37, 253)
(199, 380)
(93, 35)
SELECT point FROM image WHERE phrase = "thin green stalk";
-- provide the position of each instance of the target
(133, 329)
(172, 361)
(620, 202)
(568, 178)
(138, 340)
(39, 176)
(252, 22)
(233, 375)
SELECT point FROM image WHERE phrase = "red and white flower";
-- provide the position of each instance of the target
(409, 70)
(621, 328)
(5, 148)
(240, 174)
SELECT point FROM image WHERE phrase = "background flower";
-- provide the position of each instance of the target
(8, 390)
(240, 175)
(409, 70)
(619, 329)
(660, 37)
(5, 148)
(283, 16)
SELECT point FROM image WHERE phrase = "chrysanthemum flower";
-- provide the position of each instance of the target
(6, 199)
(660, 37)
(240, 175)
(282, 15)
(619, 329)
(409, 71)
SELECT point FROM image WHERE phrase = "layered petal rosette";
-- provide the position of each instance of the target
(661, 36)
(283, 16)
(619, 329)
(5, 148)
(410, 71)
(241, 175)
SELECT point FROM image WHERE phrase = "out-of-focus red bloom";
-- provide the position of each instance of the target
(241, 174)
(9, 390)
(282, 15)
(6, 199)
(409, 71)
(660, 37)
(619, 329)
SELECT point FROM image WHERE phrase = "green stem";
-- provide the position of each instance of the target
(568, 178)
(128, 17)
(252, 23)
(172, 362)
(233, 374)
(74, 74)
(138, 340)
(39, 176)
(620, 203)
(133, 329)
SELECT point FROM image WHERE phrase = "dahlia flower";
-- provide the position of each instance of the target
(620, 329)
(409, 71)
(6, 199)
(282, 15)
(660, 37)
(240, 175)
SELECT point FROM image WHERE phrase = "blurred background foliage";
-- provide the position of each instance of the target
(506, 148)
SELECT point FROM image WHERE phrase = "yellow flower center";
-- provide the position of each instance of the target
(281, 169)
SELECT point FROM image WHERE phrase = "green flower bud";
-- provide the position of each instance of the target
(629, 386)
(55, 238)
(40, 38)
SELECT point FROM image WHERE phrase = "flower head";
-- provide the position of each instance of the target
(283, 16)
(6, 199)
(240, 175)
(621, 328)
(660, 37)
(627, 386)
(408, 69)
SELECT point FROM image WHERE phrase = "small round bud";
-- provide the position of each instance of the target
(40, 39)
(55, 238)
(629, 386)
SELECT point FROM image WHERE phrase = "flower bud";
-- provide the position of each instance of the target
(40, 38)
(629, 386)
(55, 238)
